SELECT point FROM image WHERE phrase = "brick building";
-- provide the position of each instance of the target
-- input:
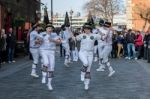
(133, 19)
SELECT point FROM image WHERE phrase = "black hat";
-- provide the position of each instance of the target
(63, 27)
(87, 25)
(50, 25)
(101, 22)
(39, 24)
(107, 24)
(42, 25)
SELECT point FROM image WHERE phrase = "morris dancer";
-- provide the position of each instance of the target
(86, 52)
(66, 36)
(101, 46)
(95, 31)
(106, 33)
(47, 49)
(34, 48)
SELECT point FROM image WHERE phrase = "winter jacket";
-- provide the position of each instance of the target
(130, 38)
(139, 40)
(11, 41)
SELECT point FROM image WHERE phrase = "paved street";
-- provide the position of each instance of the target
(131, 81)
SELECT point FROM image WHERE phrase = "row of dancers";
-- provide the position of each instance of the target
(43, 44)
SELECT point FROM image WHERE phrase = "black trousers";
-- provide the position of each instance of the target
(139, 50)
(114, 50)
(0, 58)
(62, 51)
(4, 56)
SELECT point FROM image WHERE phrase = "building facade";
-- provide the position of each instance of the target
(120, 19)
(17, 12)
(76, 22)
(133, 19)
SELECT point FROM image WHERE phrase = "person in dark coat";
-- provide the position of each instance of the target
(3, 46)
(11, 43)
(130, 38)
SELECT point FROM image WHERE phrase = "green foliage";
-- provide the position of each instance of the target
(67, 21)
(19, 21)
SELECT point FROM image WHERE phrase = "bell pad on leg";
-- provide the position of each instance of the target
(84, 68)
(87, 75)
(66, 56)
(50, 74)
(44, 68)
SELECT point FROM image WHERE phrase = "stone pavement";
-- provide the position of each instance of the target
(131, 81)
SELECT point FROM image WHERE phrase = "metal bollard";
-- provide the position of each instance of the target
(145, 50)
(148, 52)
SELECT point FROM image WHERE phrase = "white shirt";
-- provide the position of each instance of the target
(33, 36)
(95, 31)
(65, 36)
(107, 38)
(46, 44)
(87, 41)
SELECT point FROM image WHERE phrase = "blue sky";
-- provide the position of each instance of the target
(61, 6)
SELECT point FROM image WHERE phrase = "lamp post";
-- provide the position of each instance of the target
(71, 13)
(52, 11)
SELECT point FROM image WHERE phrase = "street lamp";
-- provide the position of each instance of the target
(52, 11)
(71, 13)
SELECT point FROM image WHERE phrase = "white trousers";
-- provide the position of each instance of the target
(67, 52)
(106, 52)
(95, 50)
(100, 50)
(75, 54)
(35, 54)
(86, 58)
(48, 57)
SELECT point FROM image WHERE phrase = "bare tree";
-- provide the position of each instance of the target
(105, 9)
(144, 13)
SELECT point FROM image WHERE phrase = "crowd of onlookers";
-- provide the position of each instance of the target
(129, 43)
(7, 46)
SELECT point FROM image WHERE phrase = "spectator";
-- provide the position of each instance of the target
(11, 43)
(130, 38)
(3, 46)
(125, 51)
(114, 45)
(120, 41)
(139, 44)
